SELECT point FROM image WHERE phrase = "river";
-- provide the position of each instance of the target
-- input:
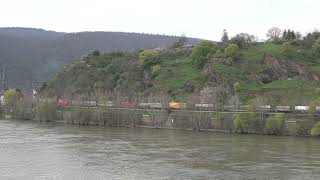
(32, 151)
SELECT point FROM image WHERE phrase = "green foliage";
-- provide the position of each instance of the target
(316, 46)
(236, 87)
(315, 131)
(179, 78)
(201, 51)
(273, 124)
(155, 70)
(232, 51)
(244, 122)
(47, 112)
(148, 57)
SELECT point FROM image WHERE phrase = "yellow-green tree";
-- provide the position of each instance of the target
(148, 57)
(232, 51)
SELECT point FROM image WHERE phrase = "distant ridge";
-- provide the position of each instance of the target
(34, 55)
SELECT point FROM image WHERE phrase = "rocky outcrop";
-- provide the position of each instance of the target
(284, 70)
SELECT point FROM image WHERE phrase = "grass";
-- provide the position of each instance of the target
(176, 74)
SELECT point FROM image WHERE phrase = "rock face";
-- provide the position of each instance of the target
(284, 70)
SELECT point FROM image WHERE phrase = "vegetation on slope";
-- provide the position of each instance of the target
(284, 70)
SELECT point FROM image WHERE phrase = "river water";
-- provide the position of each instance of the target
(32, 151)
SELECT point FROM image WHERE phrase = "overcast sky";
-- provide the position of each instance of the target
(195, 18)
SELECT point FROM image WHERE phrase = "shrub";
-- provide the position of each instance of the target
(236, 87)
(201, 51)
(273, 124)
(156, 70)
(315, 131)
(47, 112)
(244, 123)
(232, 51)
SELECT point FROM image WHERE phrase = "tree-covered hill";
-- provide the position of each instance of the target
(283, 70)
(33, 56)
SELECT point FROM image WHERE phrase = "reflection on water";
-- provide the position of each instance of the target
(30, 150)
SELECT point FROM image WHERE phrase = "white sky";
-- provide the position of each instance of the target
(195, 18)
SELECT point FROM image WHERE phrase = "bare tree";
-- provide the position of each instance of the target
(274, 34)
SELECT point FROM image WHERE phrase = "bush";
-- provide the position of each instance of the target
(232, 51)
(273, 124)
(236, 87)
(47, 112)
(244, 123)
(201, 51)
(156, 70)
(315, 131)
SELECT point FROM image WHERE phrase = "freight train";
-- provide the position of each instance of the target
(177, 106)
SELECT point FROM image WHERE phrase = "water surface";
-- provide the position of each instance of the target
(30, 150)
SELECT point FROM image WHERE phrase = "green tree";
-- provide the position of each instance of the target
(225, 36)
(243, 39)
(316, 46)
(201, 51)
(148, 57)
(232, 51)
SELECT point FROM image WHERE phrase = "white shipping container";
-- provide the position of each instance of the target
(301, 108)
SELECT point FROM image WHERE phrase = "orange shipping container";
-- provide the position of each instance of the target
(174, 105)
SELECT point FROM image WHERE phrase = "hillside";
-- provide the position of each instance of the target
(33, 56)
(283, 72)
